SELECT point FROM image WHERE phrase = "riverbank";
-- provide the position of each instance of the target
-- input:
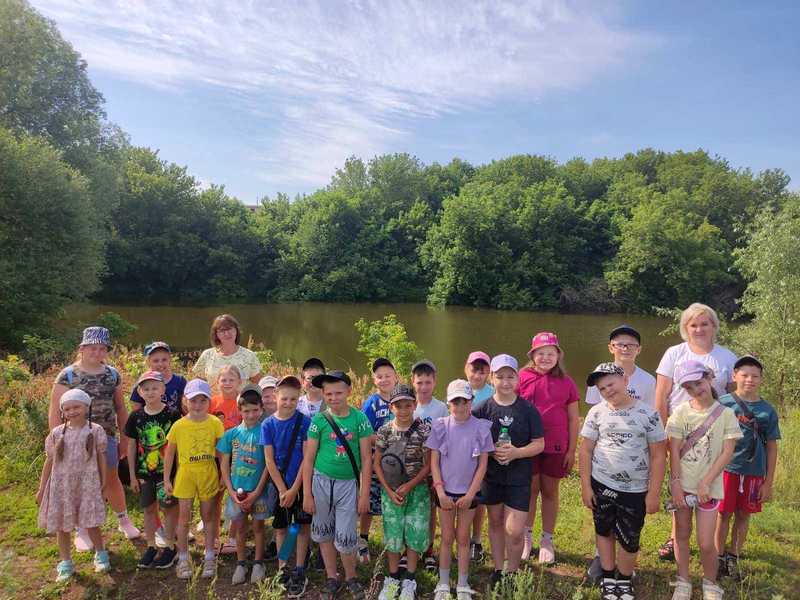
(28, 557)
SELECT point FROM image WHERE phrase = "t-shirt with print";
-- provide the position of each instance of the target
(277, 433)
(247, 455)
(150, 432)
(750, 456)
(332, 459)
(720, 360)
(100, 388)
(697, 461)
(414, 456)
(173, 393)
(522, 423)
(212, 360)
(377, 411)
(550, 396)
(309, 408)
(430, 412)
(622, 436)
(226, 410)
(196, 441)
(479, 397)
(641, 387)
(459, 446)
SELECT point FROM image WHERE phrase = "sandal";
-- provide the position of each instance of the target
(666, 551)
(332, 587)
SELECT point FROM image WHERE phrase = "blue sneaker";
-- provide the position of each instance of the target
(102, 564)
(65, 569)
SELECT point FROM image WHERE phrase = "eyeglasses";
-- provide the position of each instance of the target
(619, 346)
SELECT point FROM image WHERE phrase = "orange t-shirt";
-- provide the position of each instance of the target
(226, 410)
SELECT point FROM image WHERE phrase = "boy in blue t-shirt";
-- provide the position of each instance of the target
(158, 357)
(245, 476)
(748, 478)
(376, 408)
(284, 436)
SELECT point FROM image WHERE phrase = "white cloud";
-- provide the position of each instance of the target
(344, 78)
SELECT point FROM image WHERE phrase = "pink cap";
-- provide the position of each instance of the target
(478, 355)
(544, 338)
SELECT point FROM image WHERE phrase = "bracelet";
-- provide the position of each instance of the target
(674, 478)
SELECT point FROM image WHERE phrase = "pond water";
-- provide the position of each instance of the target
(446, 335)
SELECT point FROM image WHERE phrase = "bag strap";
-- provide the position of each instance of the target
(698, 433)
(290, 451)
(338, 433)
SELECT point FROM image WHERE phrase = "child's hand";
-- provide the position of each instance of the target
(703, 493)
(445, 502)
(588, 497)
(168, 487)
(652, 502)
(765, 492)
(569, 461)
(396, 497)
(287, 498)
(505, 453)
(248, 501)
(464, 502)
(39, 496)
(135, 486)
(308, 504)
(678, 495)
(363, 502)
(404, 489)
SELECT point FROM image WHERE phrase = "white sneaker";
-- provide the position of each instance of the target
(711, 591)
(547, 552)
(239, 574)
(390, 588)
(441, 592)
(258, 573)
(209, 568)
(184, 569)
(464, 592)
(683, 589)
(408, 590)
(527, 544)
(161, 539)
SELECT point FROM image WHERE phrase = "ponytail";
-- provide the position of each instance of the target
(60, 442)
(90, 437)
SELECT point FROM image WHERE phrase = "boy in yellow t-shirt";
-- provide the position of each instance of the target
(194, 439)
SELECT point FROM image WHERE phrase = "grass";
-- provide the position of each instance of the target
(28, 556)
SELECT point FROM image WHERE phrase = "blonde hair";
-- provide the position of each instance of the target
(558, 371)
(695, 310)
(89, 439)
(230, 369)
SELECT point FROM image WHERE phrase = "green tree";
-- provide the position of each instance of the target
(387, 338)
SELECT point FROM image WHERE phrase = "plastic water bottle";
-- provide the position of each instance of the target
(287, 547)
(504, 439)
(691, 501)
(241, 495)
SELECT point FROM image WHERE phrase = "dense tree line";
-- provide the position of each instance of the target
(86, 215)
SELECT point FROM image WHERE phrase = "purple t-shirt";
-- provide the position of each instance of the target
(459, 446)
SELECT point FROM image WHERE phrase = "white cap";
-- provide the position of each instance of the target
(459, 388)
(268, 381)
(75, 395)
(503, 360)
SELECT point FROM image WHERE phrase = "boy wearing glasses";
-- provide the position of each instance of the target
(624, 344)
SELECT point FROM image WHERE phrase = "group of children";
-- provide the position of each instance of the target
(295, 450)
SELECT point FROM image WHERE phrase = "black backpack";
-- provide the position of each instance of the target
(393, 461)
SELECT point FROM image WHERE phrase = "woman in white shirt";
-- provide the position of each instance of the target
(225, 350)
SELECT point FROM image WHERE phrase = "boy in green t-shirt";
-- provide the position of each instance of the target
(338, 488)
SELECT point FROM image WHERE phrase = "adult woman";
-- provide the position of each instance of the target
(698, 327)
(225, 350)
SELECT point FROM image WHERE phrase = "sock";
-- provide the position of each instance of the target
(183, 555)
(397, 575)
(596, 552)
(122, 515)
(622, 577)
(158, 522)
(463, 579)
(609, 574)
(210, 554)
(546, 535)
(444, 576)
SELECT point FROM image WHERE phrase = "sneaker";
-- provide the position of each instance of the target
(146, 562)
(608, 589)
(625, 590)
(390, 588)
(298, 583)
(431, 564)
(161, 538)
(83, 542)
(711, 591)
(683, 589)
(547, 553)
(355, 588)
(441, 592)
(239, 573)
(476, 553)
(363, 551)
(464, 592)
(209, 568)
(64, 570)
(527, 544)
(258, 573)
(731, 567)
(127, 528)
(284, 578)
(271, 551)
(166, 559)
(594, 574)
(408, 590)
(228, 547)
(184, 569)
(331, 589)
(495, 578)
(102, 564)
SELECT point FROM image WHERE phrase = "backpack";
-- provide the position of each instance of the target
(393, 461)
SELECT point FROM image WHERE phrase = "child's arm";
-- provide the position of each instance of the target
(507, 453)
(101, 467)
(663, 389)
(409, 485)
(365, 448)
(585, 470)
(122, 419)
(438, 482)
(309, 456)
(466, 500)
(225, 474)
(675, 487)
(658, 466)
(169, 459)
(46, 470)
(573, 423)
(728, 446)
(132, 464)
(298, 480)
(765, 491)
(272, 468)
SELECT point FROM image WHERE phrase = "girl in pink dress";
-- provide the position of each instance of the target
(70, 489)
(544, 383)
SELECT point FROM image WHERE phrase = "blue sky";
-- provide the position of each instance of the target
(266, 97)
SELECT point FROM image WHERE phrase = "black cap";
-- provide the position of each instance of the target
(289, 380)
(331, 377)
(625, 329)
(402, 392)
(423, 363)
(748, 359)
(314, 363)
(606, 368)
(381, 362)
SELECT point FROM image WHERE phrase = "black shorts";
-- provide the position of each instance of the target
(293, 514)
(475, 501)
(148, 493)
(517, 497)
(619, 513)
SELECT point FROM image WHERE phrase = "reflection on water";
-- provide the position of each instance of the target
(446, 335)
